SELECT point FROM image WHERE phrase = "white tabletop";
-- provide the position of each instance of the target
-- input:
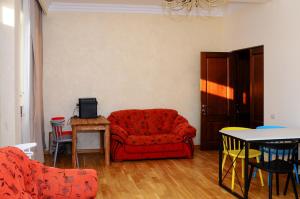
(264, 134)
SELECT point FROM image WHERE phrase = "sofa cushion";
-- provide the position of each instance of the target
(144, 122)
(133, 121)
(178, 120)
(153, 139)
(154, 148)
(160, 121)
(65, 183)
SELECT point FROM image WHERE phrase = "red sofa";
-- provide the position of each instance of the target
(22, 178)
(150, 134)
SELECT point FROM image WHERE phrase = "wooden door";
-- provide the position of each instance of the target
(242, 87)
(217, 95)
(256, 86)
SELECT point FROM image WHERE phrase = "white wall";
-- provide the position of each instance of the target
(126, 61)
(145, 61)
(276, 26)
(9, 60)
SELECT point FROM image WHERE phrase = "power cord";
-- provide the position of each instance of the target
(76, 109)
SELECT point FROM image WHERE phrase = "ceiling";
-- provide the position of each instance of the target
(138, 2)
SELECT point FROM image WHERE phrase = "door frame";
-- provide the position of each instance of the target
(202, 98)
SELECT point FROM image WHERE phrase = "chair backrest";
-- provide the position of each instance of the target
(278, 151)
(230, 143)
(273, 127)
(57, 124)
(270, 127)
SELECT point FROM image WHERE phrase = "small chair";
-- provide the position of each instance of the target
(60, 136)
(232, 147)
(280, 163)
(273, 152)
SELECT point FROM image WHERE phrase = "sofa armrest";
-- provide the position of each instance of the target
(118, 133)
(50, 182)
(84, 182)
(184, 129)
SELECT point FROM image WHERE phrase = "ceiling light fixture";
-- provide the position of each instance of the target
(188, 5)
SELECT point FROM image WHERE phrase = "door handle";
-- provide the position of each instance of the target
(237, 108)
(204, 109)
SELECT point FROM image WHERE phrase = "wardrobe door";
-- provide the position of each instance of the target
(217, 95)
(256, 86)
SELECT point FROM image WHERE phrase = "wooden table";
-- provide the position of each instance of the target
(90, 125)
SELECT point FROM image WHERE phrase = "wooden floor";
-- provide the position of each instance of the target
(164, 179)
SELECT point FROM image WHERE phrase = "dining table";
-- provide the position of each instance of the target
(246, 137)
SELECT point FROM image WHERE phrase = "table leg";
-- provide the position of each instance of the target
(297, 163)
(74, 143)
(107, 145)
(220, 158)
(297, 156)
(50, 143)
(246, 186)
(101, 143)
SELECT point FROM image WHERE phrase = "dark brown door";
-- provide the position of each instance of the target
(256, 86)
(217, 95)
(242, 87)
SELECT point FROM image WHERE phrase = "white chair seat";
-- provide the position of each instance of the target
(64, 138)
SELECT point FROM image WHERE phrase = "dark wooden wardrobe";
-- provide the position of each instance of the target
(232, 92)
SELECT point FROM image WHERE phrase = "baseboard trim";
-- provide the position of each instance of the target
(81, 151)
(90, 151)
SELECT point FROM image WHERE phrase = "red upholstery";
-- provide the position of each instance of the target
(58, 118)
(23, 178)
(66, 133)
(151, 133)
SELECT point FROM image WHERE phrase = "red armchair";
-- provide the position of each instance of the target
(150, 134)
(23, 178)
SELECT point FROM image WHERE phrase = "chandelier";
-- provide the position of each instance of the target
(188, 5)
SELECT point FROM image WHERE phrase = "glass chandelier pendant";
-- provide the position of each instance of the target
(188, 5)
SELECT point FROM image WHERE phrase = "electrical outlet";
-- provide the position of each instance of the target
(273, 116)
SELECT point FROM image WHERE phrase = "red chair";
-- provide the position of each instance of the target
(62, 119)
(21, 177)
(60, 137)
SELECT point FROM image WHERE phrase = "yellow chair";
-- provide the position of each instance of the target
(232, 147)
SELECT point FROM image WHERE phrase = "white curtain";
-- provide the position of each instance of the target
(36, 93)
